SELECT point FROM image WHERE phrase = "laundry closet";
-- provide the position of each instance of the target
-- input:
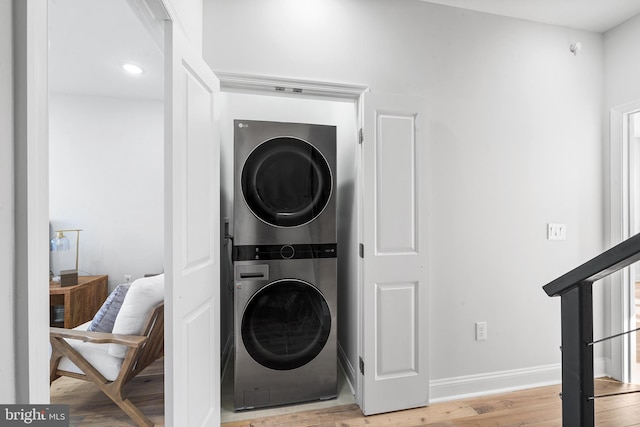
(302, 263)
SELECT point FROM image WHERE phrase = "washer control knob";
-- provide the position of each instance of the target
(287, 252)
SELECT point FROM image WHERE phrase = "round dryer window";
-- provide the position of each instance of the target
(286, 324)
(286, 182)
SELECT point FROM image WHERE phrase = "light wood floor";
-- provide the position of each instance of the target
(88, 406)
(534, 407)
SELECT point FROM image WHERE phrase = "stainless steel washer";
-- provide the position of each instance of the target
(285, 324)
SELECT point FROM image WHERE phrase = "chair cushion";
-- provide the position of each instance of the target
(96, 354)
(105, 317)
(142, 296)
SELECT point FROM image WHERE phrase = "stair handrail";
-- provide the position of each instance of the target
(618, 257)
(575, 290)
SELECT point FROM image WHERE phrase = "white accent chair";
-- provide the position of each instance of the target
(110, 360)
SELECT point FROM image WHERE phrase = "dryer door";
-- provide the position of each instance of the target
(286, 182)
(286, 324)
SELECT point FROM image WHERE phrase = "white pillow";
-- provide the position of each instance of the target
(142, 296)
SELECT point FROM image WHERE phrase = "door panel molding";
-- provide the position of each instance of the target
(396, 205)
(397, 330)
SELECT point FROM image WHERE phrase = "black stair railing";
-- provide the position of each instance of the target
(575, 290)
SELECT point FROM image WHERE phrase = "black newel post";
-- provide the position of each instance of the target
(577, 357)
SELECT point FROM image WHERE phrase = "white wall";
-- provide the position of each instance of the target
(106, 177)
(515, 142)
(622, 63)
(300, 110)
(7, 254)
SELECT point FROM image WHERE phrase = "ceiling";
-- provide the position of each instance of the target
(91, 39)
(591, 15)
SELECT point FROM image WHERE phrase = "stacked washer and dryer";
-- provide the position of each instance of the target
(285, 263)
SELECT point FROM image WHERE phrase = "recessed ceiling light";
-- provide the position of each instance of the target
(132, 69)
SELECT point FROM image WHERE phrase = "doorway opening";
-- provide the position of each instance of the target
(342, 113)
(106, 142)
(624, 223)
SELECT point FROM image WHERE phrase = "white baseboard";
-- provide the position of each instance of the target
(601, 367)
(347, 367)
(502, 381)
(494, 382)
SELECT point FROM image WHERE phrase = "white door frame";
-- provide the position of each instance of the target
(622, 169)
(262, 85)
(277, 86)
(31, 118)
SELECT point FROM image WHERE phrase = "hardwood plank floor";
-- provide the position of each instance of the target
(535, 407)
(88, 406)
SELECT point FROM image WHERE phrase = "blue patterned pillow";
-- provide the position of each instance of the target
(105, 317)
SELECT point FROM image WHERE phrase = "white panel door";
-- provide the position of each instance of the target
(394, 265)
(192, 256)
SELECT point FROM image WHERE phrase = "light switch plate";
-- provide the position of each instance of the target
(481, 331)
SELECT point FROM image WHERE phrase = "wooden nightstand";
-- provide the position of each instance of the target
(81, 302)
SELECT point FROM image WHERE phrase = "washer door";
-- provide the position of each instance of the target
(286, 324)
(286, 182)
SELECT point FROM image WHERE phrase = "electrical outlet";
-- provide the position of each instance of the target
(481, 331)
(127, 278)
(556, 231)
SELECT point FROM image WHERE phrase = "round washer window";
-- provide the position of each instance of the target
(286, 324)
(286, 182)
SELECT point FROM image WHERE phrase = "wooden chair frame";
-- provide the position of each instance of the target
(142, 350)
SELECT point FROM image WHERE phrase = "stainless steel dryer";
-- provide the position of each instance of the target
(284, 183)
(285, 324)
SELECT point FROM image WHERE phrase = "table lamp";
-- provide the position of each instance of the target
(60, 243)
